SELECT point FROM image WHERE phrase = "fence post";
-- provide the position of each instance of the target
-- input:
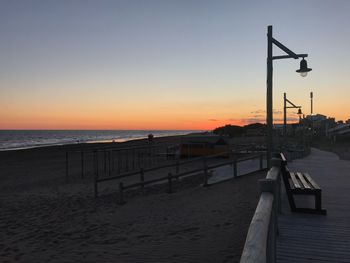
(121, 196)
(235, 173)
(177, 167)
(67, 167)
(142, 177)
(170, 183)
(82, 164)
(271, 238)
(205, 172)
(127, 160)
(95, 163)
(109, 163)
(112, 160)
(105, 161)
(119, 159)
(268, 185)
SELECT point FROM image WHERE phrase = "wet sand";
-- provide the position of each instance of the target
(45, 219)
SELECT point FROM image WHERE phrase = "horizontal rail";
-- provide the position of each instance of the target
(146, 182)
(175, 164)
(159, 167)
(117, 176)
(256, 242)
(185, 173)
(205, 168)
(260, 245)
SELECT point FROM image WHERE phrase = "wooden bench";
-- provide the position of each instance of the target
(299, 183)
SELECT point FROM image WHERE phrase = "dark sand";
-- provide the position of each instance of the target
(45, 219)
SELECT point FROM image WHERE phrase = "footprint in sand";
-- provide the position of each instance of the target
(143, 236)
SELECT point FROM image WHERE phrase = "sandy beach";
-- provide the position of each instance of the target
(45, 219)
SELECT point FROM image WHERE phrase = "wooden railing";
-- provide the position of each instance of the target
(293, 154)
(260, 245)
(169, 177)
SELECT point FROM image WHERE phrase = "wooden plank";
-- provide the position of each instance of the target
(295, 181)
(256, 241)
(301, 178)
(312, 182)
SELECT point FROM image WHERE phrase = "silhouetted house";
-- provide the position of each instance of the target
(202, 145)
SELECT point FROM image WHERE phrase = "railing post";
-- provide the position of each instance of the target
(112, 160)
(277, 162)
(271, 243)
(127, 160)
(105, 161)
(95, 163)
(109, 163)
(119, 159)
(235, 173)
(82, 164)
(268, 185)
(177, 167)
(205, 172)
(67, 167)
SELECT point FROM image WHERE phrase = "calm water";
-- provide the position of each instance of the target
(22, 139)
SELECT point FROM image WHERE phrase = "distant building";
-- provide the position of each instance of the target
(319, 124)
(341, 130)
(202, 145)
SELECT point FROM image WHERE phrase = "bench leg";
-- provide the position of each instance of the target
(291, 201)
(318, 201)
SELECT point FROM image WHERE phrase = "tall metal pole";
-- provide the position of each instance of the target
(269, 113)
(311, 97)
(312, 111)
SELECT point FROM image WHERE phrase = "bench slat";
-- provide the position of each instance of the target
(295, 181)
(303, 181)
(311, 181)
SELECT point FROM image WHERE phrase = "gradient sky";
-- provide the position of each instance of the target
(166, 64)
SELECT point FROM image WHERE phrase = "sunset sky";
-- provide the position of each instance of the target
(166, 64)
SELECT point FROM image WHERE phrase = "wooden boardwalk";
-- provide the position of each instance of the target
(318, 238)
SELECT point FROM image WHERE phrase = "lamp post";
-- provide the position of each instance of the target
(285, 107)
(269, 104)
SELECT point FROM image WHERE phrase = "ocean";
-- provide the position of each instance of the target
(24, 139)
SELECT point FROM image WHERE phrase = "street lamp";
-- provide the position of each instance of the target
(285, 107)
(303, 69)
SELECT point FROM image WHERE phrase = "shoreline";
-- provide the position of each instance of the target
(81, 141)
(94, 143)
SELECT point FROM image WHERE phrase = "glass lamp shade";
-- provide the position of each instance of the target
(303, 70)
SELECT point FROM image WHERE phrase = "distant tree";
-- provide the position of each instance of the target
(236, 131)
(230, 130)
(255, 126)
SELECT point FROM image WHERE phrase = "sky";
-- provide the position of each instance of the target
(160, 64)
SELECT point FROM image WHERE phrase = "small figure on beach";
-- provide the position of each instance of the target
(150, 137)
